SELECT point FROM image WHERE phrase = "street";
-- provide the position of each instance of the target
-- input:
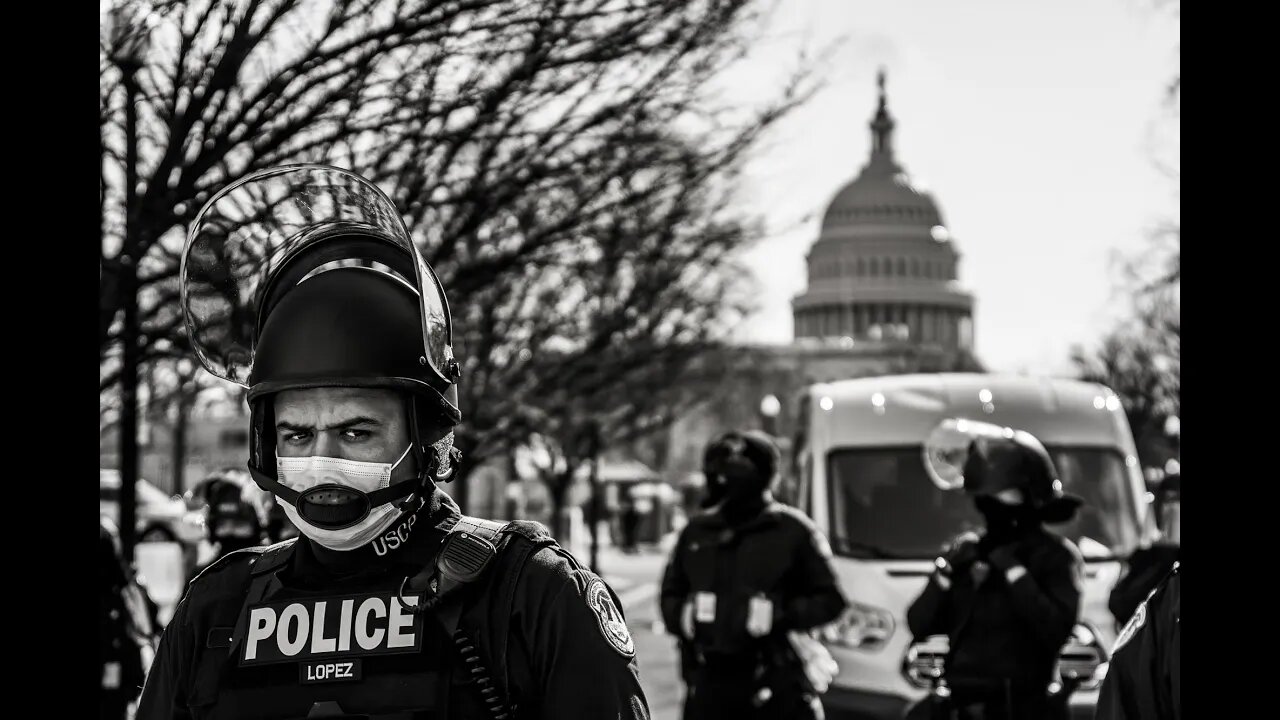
(635, 578)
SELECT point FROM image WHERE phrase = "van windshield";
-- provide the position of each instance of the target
(883, 504)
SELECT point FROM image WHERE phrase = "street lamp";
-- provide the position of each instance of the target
(128, 30)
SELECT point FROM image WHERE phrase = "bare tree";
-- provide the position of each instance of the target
(229, 87)
(1141, 361)
(558, 162)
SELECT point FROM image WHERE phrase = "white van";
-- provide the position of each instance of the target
(858, 470)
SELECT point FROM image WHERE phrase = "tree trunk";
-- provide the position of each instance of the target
(182, 406)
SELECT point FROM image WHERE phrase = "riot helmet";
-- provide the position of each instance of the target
(305, 276)
(232, 518)
(741, 463)
(989, 461)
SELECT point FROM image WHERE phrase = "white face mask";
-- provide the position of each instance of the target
(305, 473)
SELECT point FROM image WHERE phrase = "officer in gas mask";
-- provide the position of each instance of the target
(744, 574)
(1148, 565)
(231, 522)
(1145, 677)
(302, 284)
(1008, 597)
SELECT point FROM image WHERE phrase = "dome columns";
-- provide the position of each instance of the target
(926, 323)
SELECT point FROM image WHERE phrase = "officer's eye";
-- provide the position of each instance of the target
(354, 434)
(296, 438)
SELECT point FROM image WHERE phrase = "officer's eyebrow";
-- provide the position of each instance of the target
(287, 426)
(358, 420)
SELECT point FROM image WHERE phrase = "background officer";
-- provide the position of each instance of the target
(742, 575)
(232, 522)
(1149, 565)
(1009, 597)
(1145, 676)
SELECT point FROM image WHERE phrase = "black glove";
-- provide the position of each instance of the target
(1004, 557)
(962, 554)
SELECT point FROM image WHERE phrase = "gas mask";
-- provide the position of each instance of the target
(343, 498)
(733, 479)
(1004, 519)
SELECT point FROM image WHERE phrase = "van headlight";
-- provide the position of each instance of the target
(861, 627)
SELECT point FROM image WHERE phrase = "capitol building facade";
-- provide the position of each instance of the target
(884, 266)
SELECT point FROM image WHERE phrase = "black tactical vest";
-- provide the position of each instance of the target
(283, 653)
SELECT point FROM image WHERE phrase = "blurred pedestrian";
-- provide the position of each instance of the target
(744, 576)
(1008, 598)
(1149, 565)
(125, 629)
(629, 520)
(1144, 680)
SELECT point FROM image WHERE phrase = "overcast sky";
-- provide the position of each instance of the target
(1034, 124)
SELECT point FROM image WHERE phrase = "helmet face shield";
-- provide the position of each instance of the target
(260, 236)
(985, 459)
(946, 449)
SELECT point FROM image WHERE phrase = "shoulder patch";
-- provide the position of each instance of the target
(1131, 628)
(609, 619)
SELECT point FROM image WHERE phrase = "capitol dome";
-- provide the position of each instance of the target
(882, 195)
(884, 266)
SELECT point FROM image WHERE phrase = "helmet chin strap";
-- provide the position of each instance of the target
(426, 454)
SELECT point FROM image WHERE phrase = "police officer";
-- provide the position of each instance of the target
(1144, 679)
(302, 284)
(1149, 565)
(744, 574)
(1007, 598)
(232, 522)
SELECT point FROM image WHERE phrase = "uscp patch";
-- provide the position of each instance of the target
(609, 620)
(1131, 627)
